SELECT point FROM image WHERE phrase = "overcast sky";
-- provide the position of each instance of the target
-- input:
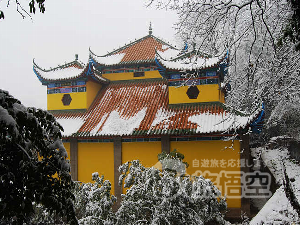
(70, 27)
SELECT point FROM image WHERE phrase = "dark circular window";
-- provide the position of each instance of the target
(66, 99)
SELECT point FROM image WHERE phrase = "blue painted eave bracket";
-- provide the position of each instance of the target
(39, 77)
(161, 69)
(257, 124)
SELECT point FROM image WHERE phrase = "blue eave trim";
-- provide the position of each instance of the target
(161, 69)
(90, 73)
(39, 77)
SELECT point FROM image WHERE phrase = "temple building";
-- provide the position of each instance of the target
(144, 98)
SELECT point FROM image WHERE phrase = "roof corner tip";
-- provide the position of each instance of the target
(91, 53)
(35, 65)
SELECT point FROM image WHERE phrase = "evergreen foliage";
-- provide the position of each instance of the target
(94, 202)
(161, 197)
(23, 11)
(33, 164)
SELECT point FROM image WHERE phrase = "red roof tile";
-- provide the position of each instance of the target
(140, 108)
(141, 50)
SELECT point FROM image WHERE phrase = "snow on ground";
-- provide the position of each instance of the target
(278, 209)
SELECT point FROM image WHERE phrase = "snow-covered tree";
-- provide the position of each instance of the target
(173, 161)
(94, 202)
(22, 10)
(33, 164)
(161, 197)
(262, 38)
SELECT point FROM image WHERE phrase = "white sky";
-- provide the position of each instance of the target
(67, 28)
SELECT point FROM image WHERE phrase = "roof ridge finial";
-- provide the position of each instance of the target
(150, 29)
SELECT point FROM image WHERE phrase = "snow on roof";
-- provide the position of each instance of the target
(141, 108)
(72, 70)
(70, 125)
(110, 59)
(190, 64)
(172, 59)
(169, 53)
(208, 122)
(116, 125)
(59, 73)
(161, 116)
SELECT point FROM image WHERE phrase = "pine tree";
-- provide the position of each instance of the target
(33, 164)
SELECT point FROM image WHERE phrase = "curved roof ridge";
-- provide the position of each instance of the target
(188, 60)
(65, 65)
(131, 44)
(68, 71)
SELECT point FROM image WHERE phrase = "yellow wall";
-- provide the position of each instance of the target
(129, 75)
(146, 152)
(99, 157)
(92, 88)
(96, 157)
(222, 97)
(203, 150)
(79, 101)
(67, 147)
(208, 93)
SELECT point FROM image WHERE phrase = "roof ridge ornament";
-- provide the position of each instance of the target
(150, 29)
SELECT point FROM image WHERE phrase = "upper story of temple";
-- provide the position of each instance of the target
(190, 76)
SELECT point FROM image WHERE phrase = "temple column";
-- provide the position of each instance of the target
(117, 163)
(74, 158)
(165, 143)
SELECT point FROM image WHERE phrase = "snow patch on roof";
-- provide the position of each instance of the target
(111, 59)
(96, 128)
(116, 125)
(209, 122)
(186, 63)
(165, 47)
(162, 115)
(169, 53)
(70, 125)
(61, 73)
(190, 63)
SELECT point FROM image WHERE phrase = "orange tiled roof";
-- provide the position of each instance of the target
(140, 51)
(139, 108)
